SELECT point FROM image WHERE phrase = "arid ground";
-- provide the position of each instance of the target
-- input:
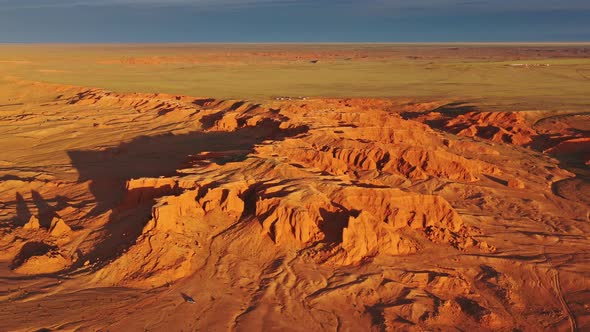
(295, 187)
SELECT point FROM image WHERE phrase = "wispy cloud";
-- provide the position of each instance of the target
(485, 4)
(385, 5)
(30, 4)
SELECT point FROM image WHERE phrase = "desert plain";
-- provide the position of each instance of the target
(295, 187)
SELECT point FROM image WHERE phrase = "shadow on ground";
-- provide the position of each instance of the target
(155, 156)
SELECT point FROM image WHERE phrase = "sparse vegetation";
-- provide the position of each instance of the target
(470, 72)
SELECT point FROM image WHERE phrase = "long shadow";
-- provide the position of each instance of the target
(573, 161)
(456, 108)
(209, 120)
(576, 188)
(45, 211)
(496, 179)
(155, 156)
(46, 208)
(15, 104)
(22, 210)
(8, 177)
(448, 110)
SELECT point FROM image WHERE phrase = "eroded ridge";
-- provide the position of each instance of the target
(357, 212)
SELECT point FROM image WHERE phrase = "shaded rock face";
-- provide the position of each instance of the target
(362, 222)
(323, 206)
(177, 231)
(496, 126)
(306, 184)
(292, 221)
(366, 236)
(576, 150)
(352, 224)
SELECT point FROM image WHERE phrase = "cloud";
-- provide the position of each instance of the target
(40, 4)
(495, 5)
(387, 6)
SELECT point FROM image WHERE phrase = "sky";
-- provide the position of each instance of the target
(145, 21)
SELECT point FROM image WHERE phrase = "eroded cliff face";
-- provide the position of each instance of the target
(334, 190)
(391, 214)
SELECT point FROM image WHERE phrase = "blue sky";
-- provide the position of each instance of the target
(293, 20)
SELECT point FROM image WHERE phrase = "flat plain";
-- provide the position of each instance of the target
(300, 187)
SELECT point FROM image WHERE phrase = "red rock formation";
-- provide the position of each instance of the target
(314, 221)
(32, 224)
(59, 227)
(506, 127)
(367, 236)
(144, 190)
(293, 220)
(577, 149)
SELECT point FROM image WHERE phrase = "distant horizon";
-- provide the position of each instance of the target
(586, 42)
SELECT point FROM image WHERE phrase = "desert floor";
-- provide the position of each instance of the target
(294, 187)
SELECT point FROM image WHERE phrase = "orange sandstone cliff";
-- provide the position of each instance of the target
(301, 215)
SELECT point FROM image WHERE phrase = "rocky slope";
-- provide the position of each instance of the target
(301, 214)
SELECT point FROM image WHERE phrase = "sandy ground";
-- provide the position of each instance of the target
(501, 77)
(133, 212)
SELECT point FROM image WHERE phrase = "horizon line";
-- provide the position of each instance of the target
(307, 43)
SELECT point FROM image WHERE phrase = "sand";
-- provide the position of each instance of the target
(137, 211)
(486, 74)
